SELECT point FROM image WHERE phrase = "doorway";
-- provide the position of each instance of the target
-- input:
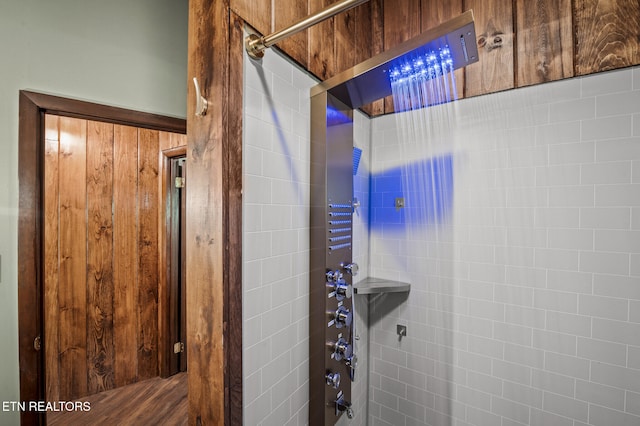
(99, 315)
(175, 344)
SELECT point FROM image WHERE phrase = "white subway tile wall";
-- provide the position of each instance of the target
(276, 127)
(525, 300)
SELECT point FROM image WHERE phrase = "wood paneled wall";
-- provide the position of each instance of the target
(521, 42)
(101, 254)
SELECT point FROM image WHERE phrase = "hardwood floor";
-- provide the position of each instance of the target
(155, 401)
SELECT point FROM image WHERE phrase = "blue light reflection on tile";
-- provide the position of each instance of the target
(427, 189)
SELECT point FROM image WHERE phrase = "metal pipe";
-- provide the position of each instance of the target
(255, 45)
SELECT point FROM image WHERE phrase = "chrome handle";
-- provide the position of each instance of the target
(333, 379)
(351, 268)
(343, 290)
(334, 276)
(341, 349)
(340, 289)
(342, 405)
(343, 317)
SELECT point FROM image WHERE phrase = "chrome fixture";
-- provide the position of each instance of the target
(371, 79)
(343, 405)
(351, 268)
(255, 45)
(333, 379)
(401, 331)
(342, 317)
(340, 349)
(341, 290)
(332, 334)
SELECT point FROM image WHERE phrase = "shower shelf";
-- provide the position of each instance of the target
(378, 285)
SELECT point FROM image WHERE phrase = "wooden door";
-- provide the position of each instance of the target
(100, 256)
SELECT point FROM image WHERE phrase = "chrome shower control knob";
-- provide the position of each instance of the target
(342, 405)
(343, 317)
(351, 268)
(341, 349)
(341, 289)
(333, 379)
(330, 277)
(334, 276)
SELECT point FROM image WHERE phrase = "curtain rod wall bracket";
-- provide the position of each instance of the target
(256, 45)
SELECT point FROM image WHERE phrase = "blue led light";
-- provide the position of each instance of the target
(431, 65)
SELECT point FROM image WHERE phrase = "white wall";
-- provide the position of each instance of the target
(525, 299)
(276, 245)
(120, 53)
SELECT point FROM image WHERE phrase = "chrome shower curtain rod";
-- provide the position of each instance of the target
(255, 45)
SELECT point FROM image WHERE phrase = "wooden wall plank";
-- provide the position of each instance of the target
(285, 14)
(494, 30)
(208, 59)
(322, 54)
(434, 14)
(148, 149)
(100, 295)
(401, 21)
(544, 41)
(256, 13)
(178, 140)
(170, 140)
(233, 261)
(344, 38)
(51, 258)
(125, 254)
(607, 34)
(376, 35)
(361, 40)
(72, 294)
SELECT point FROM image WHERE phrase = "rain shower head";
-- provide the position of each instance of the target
(452, 43)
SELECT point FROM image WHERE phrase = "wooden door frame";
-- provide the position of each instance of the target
(31, 148)
(165, 345)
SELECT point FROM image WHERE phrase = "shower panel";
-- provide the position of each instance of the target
(331, 313)
(332, 361)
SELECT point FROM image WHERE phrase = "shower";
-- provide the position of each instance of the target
(433, 54)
